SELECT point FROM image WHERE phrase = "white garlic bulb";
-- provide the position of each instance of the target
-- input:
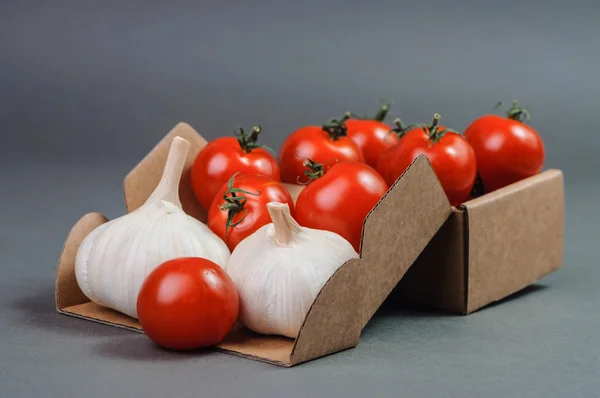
(114, 259)
(280, 269)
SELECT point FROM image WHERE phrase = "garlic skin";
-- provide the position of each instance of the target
(280, 269)
(115, 258)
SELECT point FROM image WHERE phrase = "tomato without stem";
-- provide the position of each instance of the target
(225, 156)
(507, 149)
(372, 135)
(450, 155)
(187, 303)
(240, 207)
(340, 198)
(325, 144)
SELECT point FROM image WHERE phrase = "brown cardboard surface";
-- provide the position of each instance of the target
(407, 219)
(293, 189)
(394, 233)
(94, 312)
(493, 246)
(515, 237)
(438, 277)
(142, 180)
(67, 290)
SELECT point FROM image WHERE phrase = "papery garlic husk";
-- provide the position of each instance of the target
(280, 269)
(115, 258)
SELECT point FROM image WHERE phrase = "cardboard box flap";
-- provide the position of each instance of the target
(67, 289)
(333, 321)
(525, 220)
(143, 179)
(552, 178)
(397, 230)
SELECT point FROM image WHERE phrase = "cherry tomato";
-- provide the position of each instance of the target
(371, 135)
(225, 156)
(449, 153)
(326, 144)
(507, 149)
(187, 303)
(340, 198)
(240, 207)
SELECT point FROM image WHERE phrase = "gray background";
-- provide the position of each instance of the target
(87, 88)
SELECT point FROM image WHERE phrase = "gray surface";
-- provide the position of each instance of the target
(85, 91)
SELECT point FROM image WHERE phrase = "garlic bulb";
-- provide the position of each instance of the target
(114, 259)
(280, 269)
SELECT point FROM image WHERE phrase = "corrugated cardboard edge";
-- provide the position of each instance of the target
(418, 207)
(525, 222)
(143, 179)
(415, 203)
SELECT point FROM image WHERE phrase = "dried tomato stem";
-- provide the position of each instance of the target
(248, 141)
(234, 204)
(379, 116)
(382, 112)
(434, 131)
(335, 128)
(400, 130)
(517, 112)
(314, 170)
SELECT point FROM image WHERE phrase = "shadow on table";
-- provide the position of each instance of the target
(137, 347)
(407, 310)
(39, 311)
(527, 291)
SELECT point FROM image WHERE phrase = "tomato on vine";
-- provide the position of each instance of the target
(371, 134)
(506, 148)
(449, 153)
(339, 199)
(324, 144)
(221, 158)
(240, 206)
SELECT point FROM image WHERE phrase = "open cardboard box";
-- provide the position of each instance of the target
(463, 258)
(394, 234)
(491, 247)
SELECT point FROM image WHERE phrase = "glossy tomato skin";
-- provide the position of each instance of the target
(222, 158)
(372, 137)
(452, 159)
(254, 213)
(187, 303)
(507, 150)
(314, 143)
(340, 200)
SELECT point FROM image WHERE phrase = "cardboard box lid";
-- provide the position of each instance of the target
(394, 233)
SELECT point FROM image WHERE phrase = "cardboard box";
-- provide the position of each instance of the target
(462, 259)
(491, 247)
(394, 234)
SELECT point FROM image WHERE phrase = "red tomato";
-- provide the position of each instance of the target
(449, 153)
(507, 149)
(371, 135)
(326, 144)
(225, 156)
(340, 198)
(187, 303)
(240, 207)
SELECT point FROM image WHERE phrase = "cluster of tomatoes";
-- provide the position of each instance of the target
(344, 168)
(346, 165)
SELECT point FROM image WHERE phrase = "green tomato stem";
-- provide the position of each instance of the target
(234, 204)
